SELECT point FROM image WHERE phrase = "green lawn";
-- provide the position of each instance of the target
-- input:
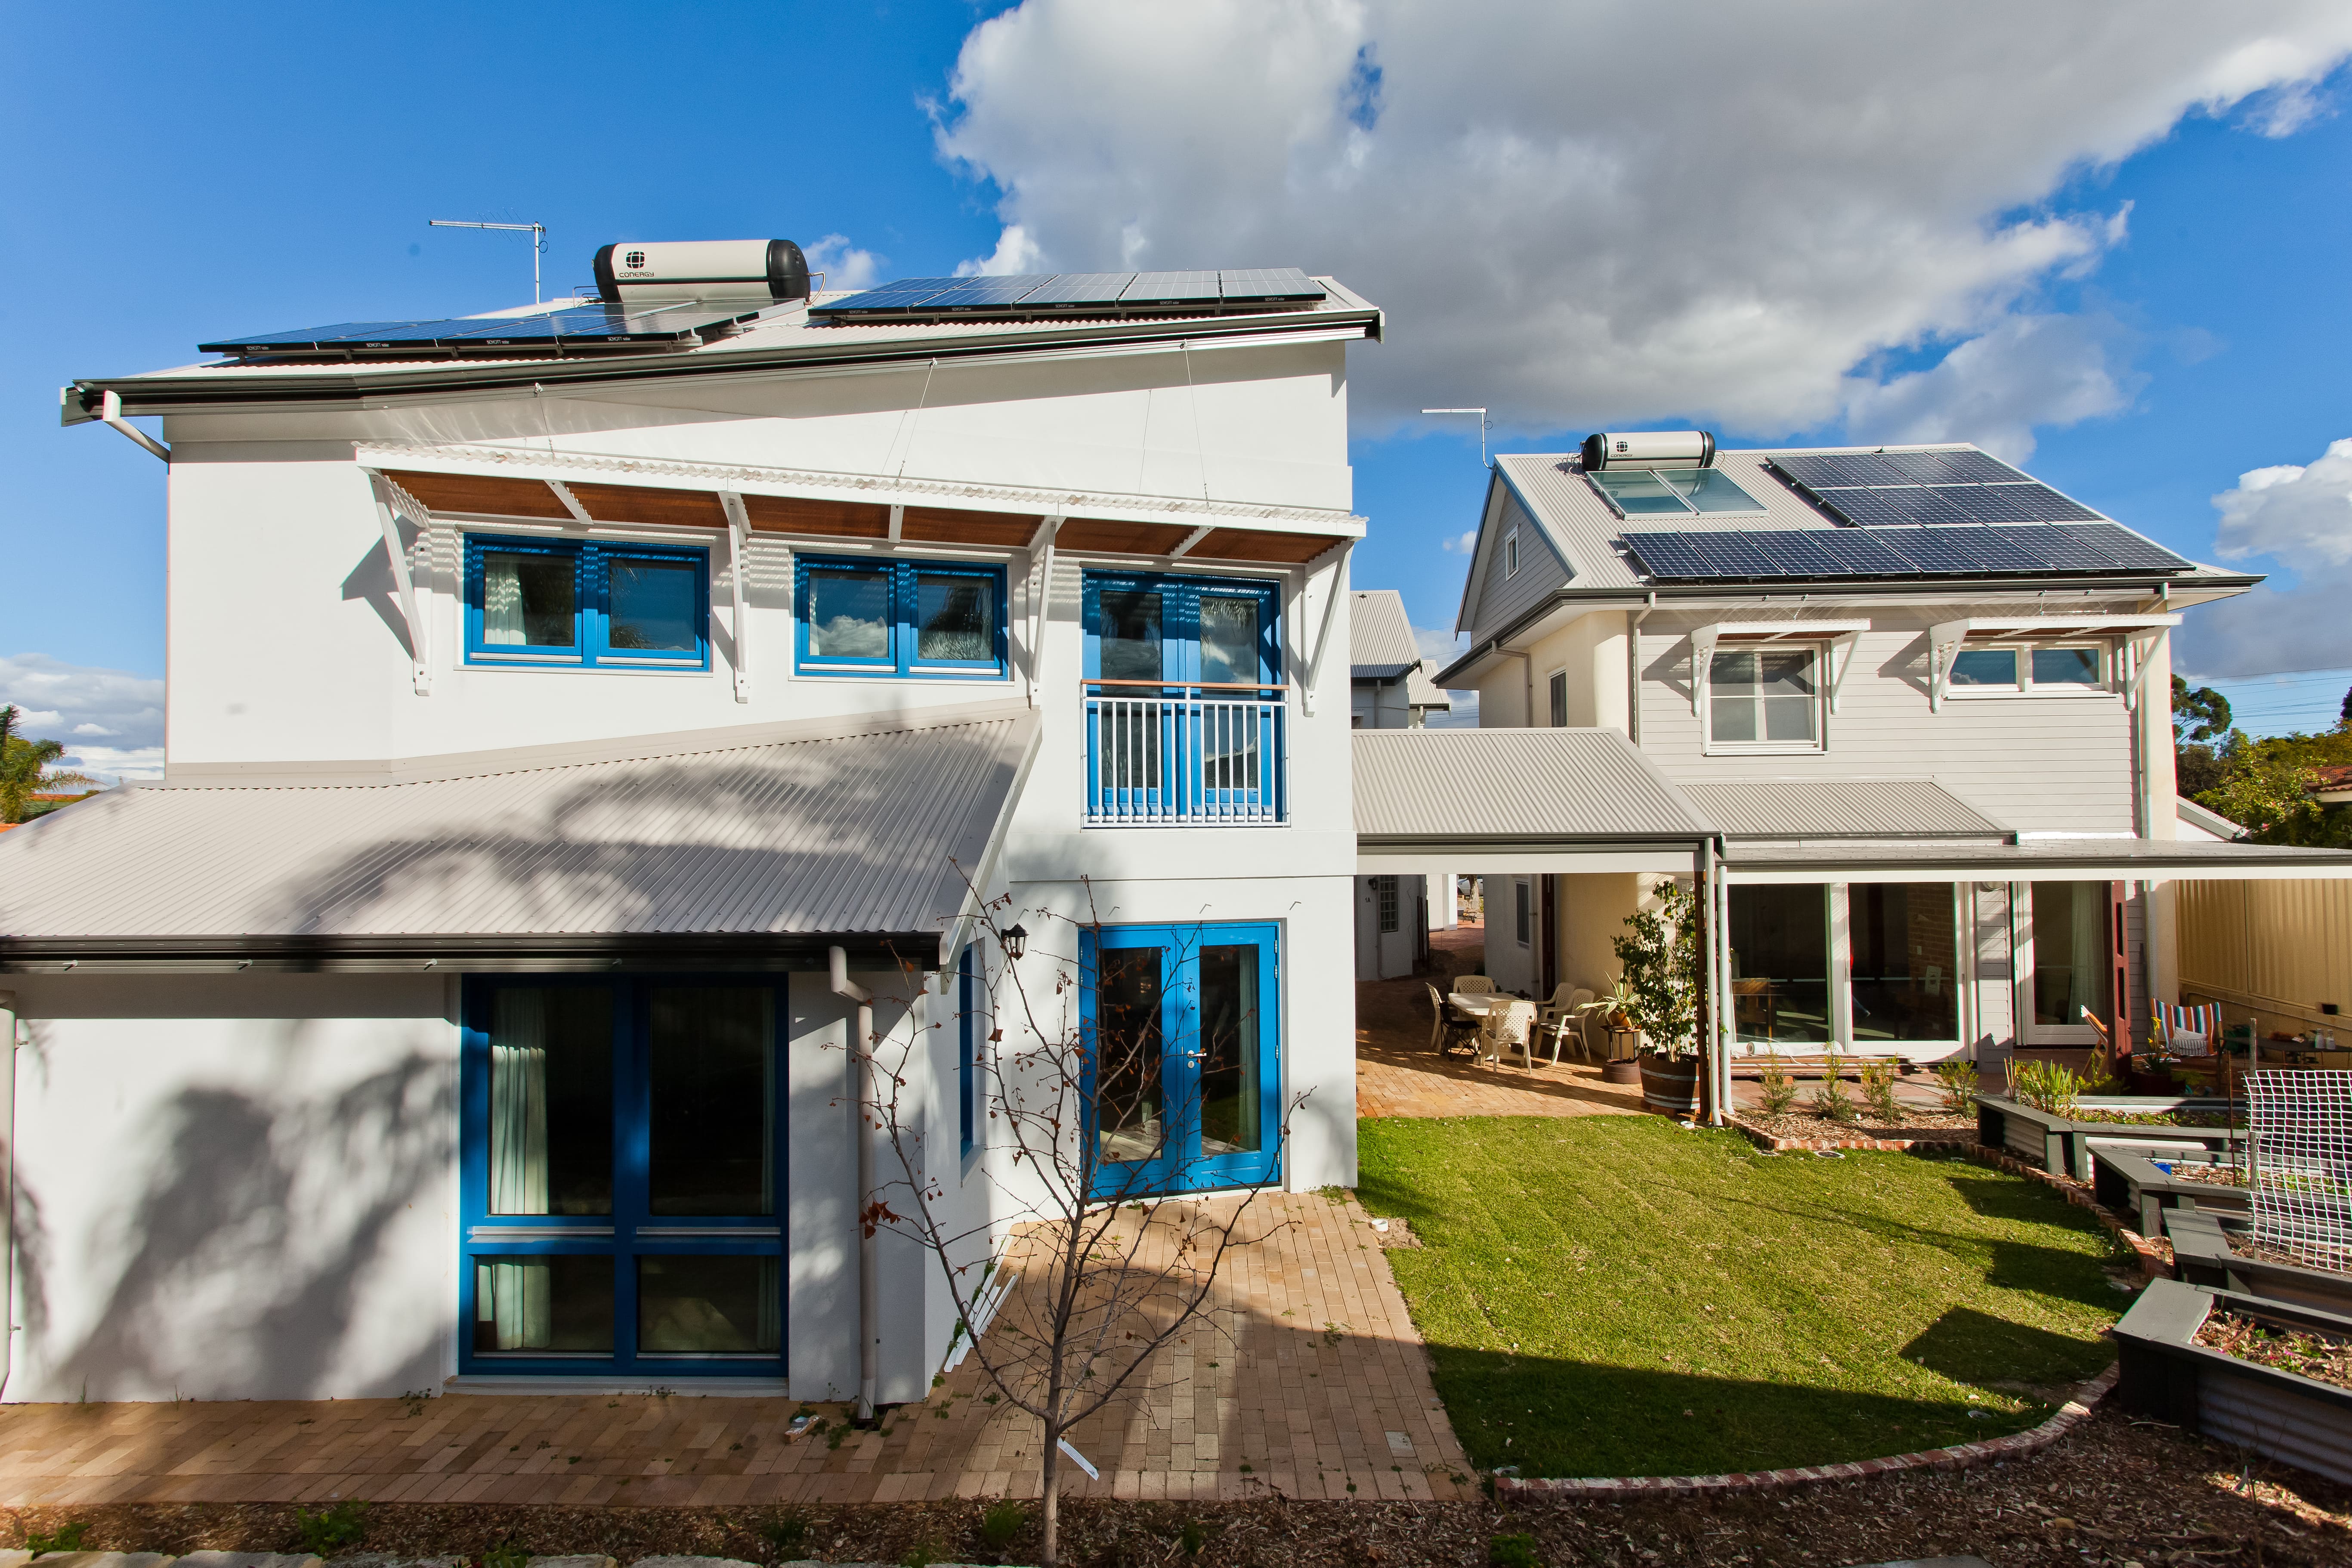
(1610, 1295)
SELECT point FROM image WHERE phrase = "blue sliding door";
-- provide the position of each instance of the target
(621, 1176)
(1183, 1058)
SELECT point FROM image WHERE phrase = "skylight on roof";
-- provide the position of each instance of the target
(1672, 492)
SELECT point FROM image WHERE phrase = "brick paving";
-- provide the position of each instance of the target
(1308, 1378)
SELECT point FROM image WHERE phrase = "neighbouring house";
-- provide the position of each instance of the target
(1916, 704)
(1392, 690)
(471, 1005)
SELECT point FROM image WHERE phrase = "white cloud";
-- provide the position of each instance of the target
(1439, 648)
(1015, 252)
(1995, 388)
(844, 265)
(1463, 543)
(59, 702)
(1771, 197)
(2301, 518)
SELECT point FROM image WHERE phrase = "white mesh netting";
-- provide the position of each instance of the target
(2300, 1141)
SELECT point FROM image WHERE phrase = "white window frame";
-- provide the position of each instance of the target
(1962, 979)
(1703, 682)
(1511, 553)
(2026, 685)
(2020, 951)
(2125, 666)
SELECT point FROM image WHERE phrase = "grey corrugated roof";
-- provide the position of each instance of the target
(803, 829)
(1839, 808)
(1379, 633)
(1515, 784)
(2044, 858)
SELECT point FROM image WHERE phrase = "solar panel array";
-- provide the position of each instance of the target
(576, 329)
(1881, 489)
(1980, 551)
(1049, 296)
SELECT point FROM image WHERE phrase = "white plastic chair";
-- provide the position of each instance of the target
(1479, 983)
(1561, 1015)
(1510, 1026)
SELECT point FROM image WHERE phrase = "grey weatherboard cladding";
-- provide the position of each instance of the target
(773, 836)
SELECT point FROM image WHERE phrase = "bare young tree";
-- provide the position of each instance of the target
(1101, 1154)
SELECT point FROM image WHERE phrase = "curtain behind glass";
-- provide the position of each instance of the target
(520, 1298)
(502, 601)
(2090, 923)
(518, 1101)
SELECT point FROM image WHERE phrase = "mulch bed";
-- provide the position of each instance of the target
(2321, 1356)
(2212, 1176)
(1801, 1125)
(2116, 1491)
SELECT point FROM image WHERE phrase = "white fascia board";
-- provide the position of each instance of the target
(2055, 625)
(526, 463)
(1779, 629)
(1664, 860)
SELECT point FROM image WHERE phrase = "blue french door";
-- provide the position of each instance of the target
(621, 1176)
(1183, 1058)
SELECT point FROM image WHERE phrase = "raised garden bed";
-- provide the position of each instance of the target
(1798, 1125)
(2168, 1375)
(2061, 1144)
(2213, 1250)
(2138, 1181)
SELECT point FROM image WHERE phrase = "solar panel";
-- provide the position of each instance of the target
(1819, 470)
(984, 294)
(1171, 288)
(1079, 288)
(552, 331)
(1974, 550)
(1049, 296)
(1268, 283)
(903, 295)
(1938, 488)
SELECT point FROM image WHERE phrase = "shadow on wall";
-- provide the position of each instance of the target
(247, 1261)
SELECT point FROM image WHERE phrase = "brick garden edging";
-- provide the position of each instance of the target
(1960, 1456)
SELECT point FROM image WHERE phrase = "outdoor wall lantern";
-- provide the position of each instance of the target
(1016, 943)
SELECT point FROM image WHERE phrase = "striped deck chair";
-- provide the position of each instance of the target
(2189, 1031)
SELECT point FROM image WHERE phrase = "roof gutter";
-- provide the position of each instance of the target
(765, 951)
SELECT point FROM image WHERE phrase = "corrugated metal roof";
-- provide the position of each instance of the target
(1519, 785)
(2043, 857)
(1379, 633)
(1839, 808)
(803, 829)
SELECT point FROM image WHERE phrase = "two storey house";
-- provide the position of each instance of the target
(580, 717)
(1912, 706)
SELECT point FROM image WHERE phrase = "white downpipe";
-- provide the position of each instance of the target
(7, 1184)
(861, 1047)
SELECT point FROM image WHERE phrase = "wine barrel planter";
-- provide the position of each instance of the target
(1627, 1070)
(1670, 1085)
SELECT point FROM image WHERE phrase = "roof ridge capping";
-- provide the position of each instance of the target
(448, 765)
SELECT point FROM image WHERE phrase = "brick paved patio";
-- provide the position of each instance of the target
(1310, 1377)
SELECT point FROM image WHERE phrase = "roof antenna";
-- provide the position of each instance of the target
(1482, 427)
(538, 231)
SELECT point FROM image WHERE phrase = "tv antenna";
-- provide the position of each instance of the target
(1482, 427)
(538, 231)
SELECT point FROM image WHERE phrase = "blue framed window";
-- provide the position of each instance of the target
(929, 619)
(1147, 630)
(587, 602)
(967, 1046)
(620, 1177)
(1183, 1062)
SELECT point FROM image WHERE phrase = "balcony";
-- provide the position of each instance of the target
(1170, 755)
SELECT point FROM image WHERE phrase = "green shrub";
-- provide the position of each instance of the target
(2045, 1086)
(506, 1555)
(919, 1555)
(65, 1538)
(1000, 1521)
(1513, 1551)
(1831, 1101)
(1878, 1091)
(1780, 1090)
(1957, 1080)
(785, 1532)
(331, 1530)
(1194, 1536)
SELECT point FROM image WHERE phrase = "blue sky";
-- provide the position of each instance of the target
(187, 172)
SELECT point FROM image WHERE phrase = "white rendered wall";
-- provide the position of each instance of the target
(235, 1186)
(285, 639)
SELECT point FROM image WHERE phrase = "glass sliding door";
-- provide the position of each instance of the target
(1780, 965)
(2066, 938)
(1905, 948)
(1183, 1071)
(620, 1172)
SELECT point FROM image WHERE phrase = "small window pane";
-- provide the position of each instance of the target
(709, 1306)
(1788, 692)
(655, 606)
(1559, 700)
(1228, 638)
(1985, 667)
(1231, 1122)
(1711, 490)
(955, 618)
(1731, 697)
(1129, 628)
(551, 1099)
(530, 601)
(848, 615)
(1510, 553)
(1639, 492)
(545, 1304)
(1128, 1110)
(712, 1133)
(2065, 667)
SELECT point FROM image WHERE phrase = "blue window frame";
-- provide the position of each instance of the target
(936, 619)
(967, 1046)
(1147, 629)
(620, 1176)
(1183, 1071)
(586, 602)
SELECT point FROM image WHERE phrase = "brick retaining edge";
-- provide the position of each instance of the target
(1961, 1456)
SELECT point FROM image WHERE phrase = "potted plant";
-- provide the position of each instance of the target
(1616, 1011)
(1659, 955)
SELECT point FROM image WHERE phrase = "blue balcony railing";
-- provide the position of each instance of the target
(1162, 755)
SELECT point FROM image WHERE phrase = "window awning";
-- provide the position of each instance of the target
(1945, 638)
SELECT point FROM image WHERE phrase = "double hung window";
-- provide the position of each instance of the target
(1768, 698)
(621, 1150)
(928, 618)
(586, 602)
